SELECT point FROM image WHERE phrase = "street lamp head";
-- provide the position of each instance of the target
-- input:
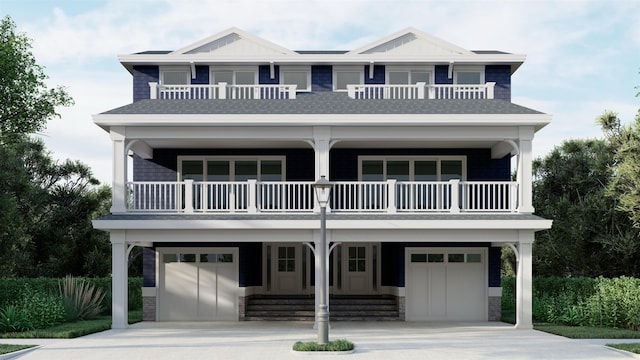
(323, 189)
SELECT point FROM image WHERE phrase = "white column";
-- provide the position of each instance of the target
(524, 281)
(525, 169)
(119, 275)
(321, 146)
(118, 196)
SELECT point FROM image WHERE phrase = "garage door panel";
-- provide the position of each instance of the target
(465, 292)
(437, 295)
(207, 291)
(227, 285)
(180, 291)
(419, 291)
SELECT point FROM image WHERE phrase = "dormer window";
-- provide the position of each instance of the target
(235, 75)
(468, 75)
(171, 75)
(409, 75)
(343, 76)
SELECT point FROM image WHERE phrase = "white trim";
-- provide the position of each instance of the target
(149, 291)
(231, 159)
(242, 34)
(494, 291)
(419, 34)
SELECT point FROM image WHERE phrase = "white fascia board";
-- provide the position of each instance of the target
(538, 121)
(341, 224)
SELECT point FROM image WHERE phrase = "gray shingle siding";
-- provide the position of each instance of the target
(501, 75)
(264, 75)
(142, 76)
(321, 78)
(151, 170)
(378, 75)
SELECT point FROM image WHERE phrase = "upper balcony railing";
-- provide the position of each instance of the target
(422, 91)
(346, 197)
(221, 91)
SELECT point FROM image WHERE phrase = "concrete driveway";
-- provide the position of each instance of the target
(374, 340)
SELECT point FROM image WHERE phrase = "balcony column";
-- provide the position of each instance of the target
(321, 146)
(119, 193)
(525, 169)
(524, 281)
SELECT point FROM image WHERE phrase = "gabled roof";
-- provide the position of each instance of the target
(234, 41)
(413, 42)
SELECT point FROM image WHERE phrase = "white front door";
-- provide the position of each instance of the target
(287, 268)
(358, 269)
(446, 284)
(198, 284)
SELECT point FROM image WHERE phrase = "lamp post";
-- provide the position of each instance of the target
(322, 188)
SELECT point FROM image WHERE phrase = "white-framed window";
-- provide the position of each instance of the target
(397, 75)
(234, 75)
(175, 75)
(296, 75)
(347, 75)
(412, 168)
(225, 168)
(468, 75)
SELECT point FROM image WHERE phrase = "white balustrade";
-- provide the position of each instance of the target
(221, 91)
(422, 91)
(389, 197)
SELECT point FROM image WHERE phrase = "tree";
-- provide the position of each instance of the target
(27, 103)
(625, 143)
(589, 237)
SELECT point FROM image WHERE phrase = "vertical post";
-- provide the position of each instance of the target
(455, 196)
(490, 90)
(119, 300)
(524, 281)
(153, 90)
(222, 90)
(119, 194)
(526, 170)
(323, 313)
(421, 88)
(391, 196)
(252, 207)
(292, 91)
(188, 196)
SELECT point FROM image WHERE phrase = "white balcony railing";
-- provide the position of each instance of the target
(390, 196)
(221, 91)
(422, 91)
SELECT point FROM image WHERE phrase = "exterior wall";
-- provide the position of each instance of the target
(378, 75)
(501, 74)
(480, 166)
(442, 75)
(202, 75)
(142, 76)
(495, 308)
(149, 308)
(322, 78)
(264, 75)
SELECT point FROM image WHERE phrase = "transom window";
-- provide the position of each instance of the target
(468, 75)
(234, 76)
(300, 76)
(409, 76)
(343, 76)
(444, 168)
(225, 169)
(462, 257)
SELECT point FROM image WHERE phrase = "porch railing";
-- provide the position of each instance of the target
(422, 91)
(391, 196)
(221, 91)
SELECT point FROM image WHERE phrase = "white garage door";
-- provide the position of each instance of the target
(198, 284)
(446, 284)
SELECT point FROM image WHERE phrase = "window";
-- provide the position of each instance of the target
(468, 75)
(174, 75)
(443, 168)
(219, 169)
(234, 75)
(300, 76)
(409, 76)
(286, 259)
(357, 259)
(347, 76)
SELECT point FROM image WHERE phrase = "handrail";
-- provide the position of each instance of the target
(221, 91)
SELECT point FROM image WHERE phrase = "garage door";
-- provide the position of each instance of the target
(446, 285)
(198, 285)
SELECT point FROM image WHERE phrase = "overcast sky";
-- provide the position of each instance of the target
(582, 56)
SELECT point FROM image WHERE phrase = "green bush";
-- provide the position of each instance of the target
(13, 319)
(336, 345)
(42, 309)
(81, 300)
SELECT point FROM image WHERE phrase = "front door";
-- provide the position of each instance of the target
(286, 268)
(356, 269)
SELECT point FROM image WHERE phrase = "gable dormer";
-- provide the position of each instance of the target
(411, 42)
(234, 42)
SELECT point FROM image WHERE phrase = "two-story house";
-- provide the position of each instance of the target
(215, 159)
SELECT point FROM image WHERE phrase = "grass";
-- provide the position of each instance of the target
(72, 329)
(9, 348)
(634, 348)
(336, 345)
(587, 332)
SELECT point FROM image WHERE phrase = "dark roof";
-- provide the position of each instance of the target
(154, 52)
(322, 103)
(330, 216)
(488, 52)
(321, 52)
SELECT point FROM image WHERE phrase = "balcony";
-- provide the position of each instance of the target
(422, 91)
(252, 197)
(221, 91)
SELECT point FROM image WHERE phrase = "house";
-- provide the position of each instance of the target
(226, 137)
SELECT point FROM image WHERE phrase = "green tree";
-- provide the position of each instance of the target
(589, 237)
(27, 103)
(625, 143)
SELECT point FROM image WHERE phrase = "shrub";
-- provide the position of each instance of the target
(13, 319)
(336, 345)
(81, 301)
(42, 309)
